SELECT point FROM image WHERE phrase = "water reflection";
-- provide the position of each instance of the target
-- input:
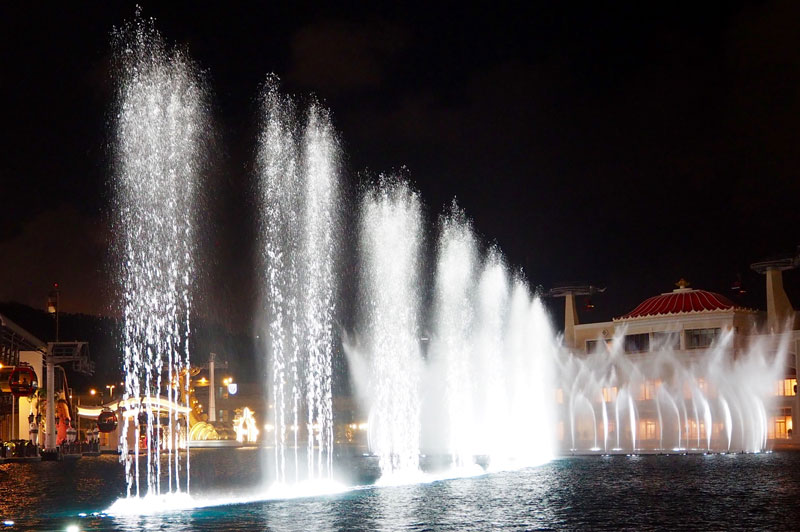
(617, 492)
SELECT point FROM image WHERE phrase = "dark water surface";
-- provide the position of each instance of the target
(716, 492)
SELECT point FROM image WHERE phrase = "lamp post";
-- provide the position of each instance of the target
(211, 366)
(212, 407)
(110, 388)
(52, 304)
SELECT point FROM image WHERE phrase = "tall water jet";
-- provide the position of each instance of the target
(298, 174)
(454, 318)
(490, 355)
(530, 354)
(491, 351)
(281, 193)
(160, 123)
(390, 242)
(541, 411)
(321, 167)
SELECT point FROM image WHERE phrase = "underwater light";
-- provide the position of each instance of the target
(73, 528)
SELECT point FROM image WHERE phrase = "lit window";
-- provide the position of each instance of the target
(648, 429)
(780, 426)
(559, 396)
(610, 394)
(786, 387)
(649, 389)
(695, 430)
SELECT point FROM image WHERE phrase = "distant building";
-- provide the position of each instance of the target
(689, 322)
(17, 344)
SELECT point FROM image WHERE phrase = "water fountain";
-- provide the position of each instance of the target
(492, 348)
(661, 402)
(390, 242)
(499, 364)
(160, 123)
(298, 180)
(482, 365)
(454, 316)
(478, 395)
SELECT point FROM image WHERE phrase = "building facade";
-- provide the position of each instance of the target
(17, 344)
(686, 369)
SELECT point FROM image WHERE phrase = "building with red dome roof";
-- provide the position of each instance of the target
(681, 301)
(684, 319)
(690, 324)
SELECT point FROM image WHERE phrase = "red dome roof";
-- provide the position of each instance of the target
(680, 301)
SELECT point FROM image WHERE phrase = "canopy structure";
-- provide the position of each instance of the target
(132, 405)
(14, 339)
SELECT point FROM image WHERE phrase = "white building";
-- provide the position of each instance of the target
(690, 324)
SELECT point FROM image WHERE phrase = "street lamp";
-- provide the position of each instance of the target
(52, 304)
(110, 388)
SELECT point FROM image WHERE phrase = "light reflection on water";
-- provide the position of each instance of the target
(637, 493)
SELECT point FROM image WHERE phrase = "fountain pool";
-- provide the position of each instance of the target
(721, 492)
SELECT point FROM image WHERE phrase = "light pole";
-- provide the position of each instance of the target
(211, 367)
(61, 353)
(111, 391)
(52, 304)
(212, 407)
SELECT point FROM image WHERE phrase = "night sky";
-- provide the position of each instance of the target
(625, 146)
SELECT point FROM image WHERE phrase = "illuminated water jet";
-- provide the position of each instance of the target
(713, 402)
(390, 242)
(298, 173)
(160, 125)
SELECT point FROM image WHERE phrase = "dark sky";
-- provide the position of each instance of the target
(628, 146)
